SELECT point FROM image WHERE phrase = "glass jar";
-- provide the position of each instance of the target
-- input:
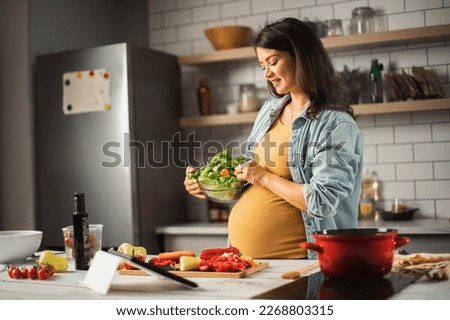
(362, 20)
(334, 27)
(247, 98)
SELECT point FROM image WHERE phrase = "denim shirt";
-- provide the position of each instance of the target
(324, 154)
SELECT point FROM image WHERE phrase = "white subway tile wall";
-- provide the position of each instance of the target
(409, 152)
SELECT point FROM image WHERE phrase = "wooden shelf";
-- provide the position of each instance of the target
(401, 106)
(351, 42)
(238, 54)
(218, 119)
(388, 38)
(360, 109)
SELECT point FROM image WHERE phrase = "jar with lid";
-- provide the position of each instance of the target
(334, 27)
(248, 100)
(362, 20)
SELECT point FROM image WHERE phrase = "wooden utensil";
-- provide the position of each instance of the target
(295, 274)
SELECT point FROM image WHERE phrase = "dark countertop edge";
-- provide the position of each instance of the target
(414, 226)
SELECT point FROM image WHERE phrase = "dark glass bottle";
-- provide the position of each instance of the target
(81, 233)
(376, 82)
(204, 98)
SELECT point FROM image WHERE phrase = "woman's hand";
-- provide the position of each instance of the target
(288, 190)
(252, 172)
(191, 185)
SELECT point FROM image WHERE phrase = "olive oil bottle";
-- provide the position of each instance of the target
(81, 233)
(376, 82)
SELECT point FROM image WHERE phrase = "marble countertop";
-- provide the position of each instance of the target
(66, 286)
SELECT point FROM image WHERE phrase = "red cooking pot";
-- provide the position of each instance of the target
(363, 253)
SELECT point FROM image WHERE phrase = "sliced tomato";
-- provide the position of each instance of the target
(227, 262)
(204, 265)
(209, 253)
(130, 267)
(224, 172)
(161, 262)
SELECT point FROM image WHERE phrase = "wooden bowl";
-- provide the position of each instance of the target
(228, 37)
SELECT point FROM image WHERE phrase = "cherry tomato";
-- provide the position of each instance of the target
(50, 269)
(16, 274)
(224, 172)
(161, 262)
(42, 274)
(32, 273)
(10, 269)
(24, 272)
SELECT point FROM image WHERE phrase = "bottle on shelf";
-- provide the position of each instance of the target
(214, 209)
(376, 81)
(369, 196)
(204, 98)
(224, 213)
(218, 212)
(81, 233)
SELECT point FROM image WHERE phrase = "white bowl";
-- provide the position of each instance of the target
(17, 245)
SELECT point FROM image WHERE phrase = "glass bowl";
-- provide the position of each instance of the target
(223, 195)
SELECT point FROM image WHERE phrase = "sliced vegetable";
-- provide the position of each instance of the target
(128, 249)
(175, 255)
(207, 254)
(134, 251)
(58, 262)
(188, 263)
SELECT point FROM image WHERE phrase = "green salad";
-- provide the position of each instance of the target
(217, 177)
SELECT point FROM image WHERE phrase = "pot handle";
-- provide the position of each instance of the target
(311, 246)
(400, 241)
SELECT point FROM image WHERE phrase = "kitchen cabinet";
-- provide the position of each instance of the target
(344, 43)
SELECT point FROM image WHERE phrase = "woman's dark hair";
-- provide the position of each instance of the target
(315, 73)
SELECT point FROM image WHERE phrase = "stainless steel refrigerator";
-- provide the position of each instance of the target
(110, 137)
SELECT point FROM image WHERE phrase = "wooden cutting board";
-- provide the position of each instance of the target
(204, 274)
